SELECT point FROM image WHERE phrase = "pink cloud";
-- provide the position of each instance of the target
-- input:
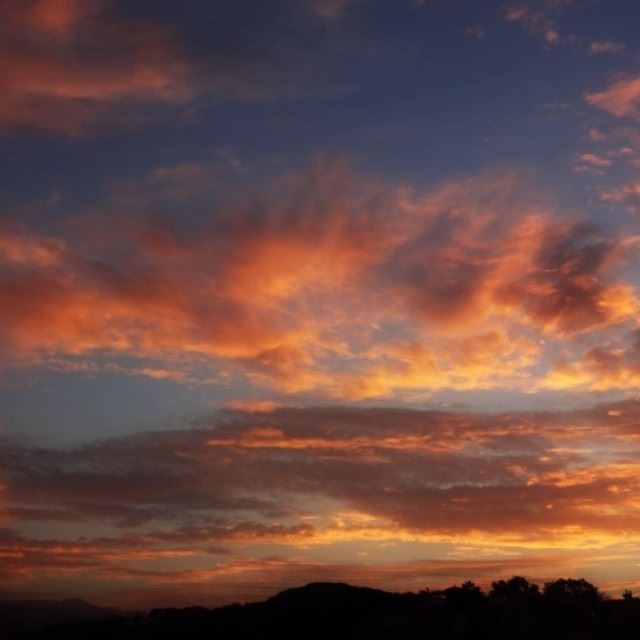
(620, 99)
(627, 195)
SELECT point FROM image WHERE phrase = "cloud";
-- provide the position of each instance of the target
(222, 580)
(564, 292)
(620, 99)
(76, 68)
(593, 161)
(299, 289)
(330, 9)
(426, 472)
(606, 46)
(300, 484)
(66, 64)
(194, 296)
(538, 18)
(600, 368)
(627, 195)
(492, 359)
(541, 19)
(50, 16)
(476, 32)
(595, 135)
(22, 248)
(178, 182)
(474, 261)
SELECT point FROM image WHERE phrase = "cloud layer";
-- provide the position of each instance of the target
(330, 282)
(290, 491)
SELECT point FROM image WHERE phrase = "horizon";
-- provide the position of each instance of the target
(569, 607)
(486, 590)
(346, 289)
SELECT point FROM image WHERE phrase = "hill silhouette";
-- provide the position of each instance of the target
(18, 617)
(512, 610)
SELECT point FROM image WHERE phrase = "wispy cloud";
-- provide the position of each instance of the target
(66, 64)
(627, 195)
(330, 9)
(270, 289)
(598, 47)
(77, 68)
(539, 18)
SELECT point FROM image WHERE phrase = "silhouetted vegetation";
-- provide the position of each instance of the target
(511, 610)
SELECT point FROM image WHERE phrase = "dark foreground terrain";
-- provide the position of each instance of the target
(512, 610)
(18, 617)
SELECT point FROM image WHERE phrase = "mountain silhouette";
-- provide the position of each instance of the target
(18, 617)
(512, 610)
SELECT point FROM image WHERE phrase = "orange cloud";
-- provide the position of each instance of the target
(600, 369)
(481, 361)
(295, 292)
(242, 291)
(472, 261)
(310, 483)
(23, 248)
(64, 64)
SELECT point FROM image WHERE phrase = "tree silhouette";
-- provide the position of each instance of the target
(517, 589)
(466, 595)
(569, 590)
(514, 609)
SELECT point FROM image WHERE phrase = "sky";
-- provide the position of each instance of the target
(317, 290)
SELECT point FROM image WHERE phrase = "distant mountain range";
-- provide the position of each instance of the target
(18, 617)
(513, 610)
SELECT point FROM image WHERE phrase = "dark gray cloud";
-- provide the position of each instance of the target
(424, 471)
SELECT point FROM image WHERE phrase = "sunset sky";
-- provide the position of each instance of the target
(297, 290)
